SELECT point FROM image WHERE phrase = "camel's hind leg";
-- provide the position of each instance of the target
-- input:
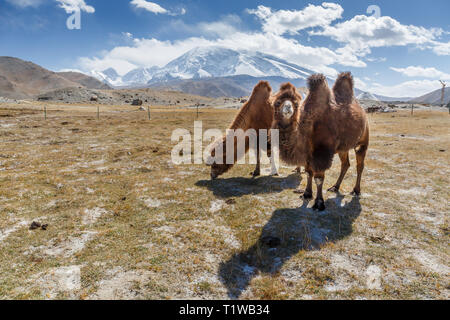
(345, 164)
(361, 152)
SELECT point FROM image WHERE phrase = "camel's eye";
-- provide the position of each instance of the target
(277, 104)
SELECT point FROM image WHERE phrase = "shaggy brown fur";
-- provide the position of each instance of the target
(256, 113)
(325, 124)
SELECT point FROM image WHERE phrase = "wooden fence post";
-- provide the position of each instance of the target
(148, 112)
(98, 112)
(45, 112)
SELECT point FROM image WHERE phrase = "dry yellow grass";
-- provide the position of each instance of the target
(126, 223)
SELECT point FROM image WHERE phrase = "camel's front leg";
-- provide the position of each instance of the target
(308, 193)
(319, 178)
(257, 171)
(273, 153)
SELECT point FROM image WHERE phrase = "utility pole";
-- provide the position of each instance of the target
(443, 92)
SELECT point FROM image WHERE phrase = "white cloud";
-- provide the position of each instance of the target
(155, 8)
(149, 6)
(25, 3)
(421, 72)
(126, 58)
(414, 88)
(356, 36)
(137, 55)
(373, 59)
(71, 6)
(292, 21)
(362, 33)
(440, 48)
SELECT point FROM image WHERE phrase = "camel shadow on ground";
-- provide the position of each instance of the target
(288, 232)
(239, 186)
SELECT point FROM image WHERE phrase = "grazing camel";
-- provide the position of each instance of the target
(325, 124)
(257, 114)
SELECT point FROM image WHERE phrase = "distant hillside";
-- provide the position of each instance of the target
(84, 80)
(234, 86)
(21, 79)
(433, 97)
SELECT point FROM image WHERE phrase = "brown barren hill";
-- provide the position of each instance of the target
(21, 79)
(84, 80)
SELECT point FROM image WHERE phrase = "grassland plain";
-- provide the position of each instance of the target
(125, 223)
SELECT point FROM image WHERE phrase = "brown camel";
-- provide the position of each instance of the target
(328, 122)
(257, 114)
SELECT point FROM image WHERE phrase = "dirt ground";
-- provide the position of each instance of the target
(126, 223)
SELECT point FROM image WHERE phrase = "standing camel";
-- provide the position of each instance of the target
(257, 114)
(326, 123)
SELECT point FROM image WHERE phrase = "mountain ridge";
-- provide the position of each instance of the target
(20, 79)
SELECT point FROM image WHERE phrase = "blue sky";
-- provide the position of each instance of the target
(401, 52)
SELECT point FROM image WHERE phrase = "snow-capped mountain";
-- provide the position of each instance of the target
(108, 76)
(139, 76)
(216, 71)
(206, 62)
(366, 96)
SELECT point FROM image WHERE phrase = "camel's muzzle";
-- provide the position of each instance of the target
(287, 110)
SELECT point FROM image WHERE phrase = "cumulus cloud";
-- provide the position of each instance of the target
(414, 88)
(25, 3)
(126, 58)
(440, 48)
(136, 55)
(71, 6)
(68, 5)
(354, 39)
(362, 33)
(292, 21)
(149, 6)
(155, 8)
(421, 72)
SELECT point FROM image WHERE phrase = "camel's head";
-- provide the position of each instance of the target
(218, 169)
(286, 105)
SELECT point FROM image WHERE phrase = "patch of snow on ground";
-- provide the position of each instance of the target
(120, 285)
(373, 277)
(5, 233)
(152, 203)
(430, 262)
(71, 246)
(90, 216)
(216, 206)
(64, 279)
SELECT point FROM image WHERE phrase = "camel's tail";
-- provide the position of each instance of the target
(343, 88)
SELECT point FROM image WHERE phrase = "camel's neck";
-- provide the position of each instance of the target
(318, 100)
(293, 144)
